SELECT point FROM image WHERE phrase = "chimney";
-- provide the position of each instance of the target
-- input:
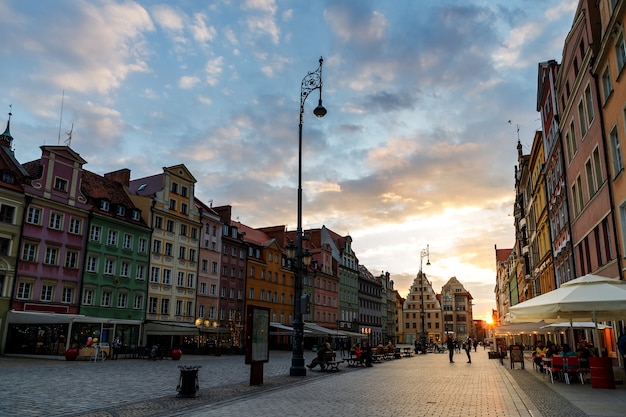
(122, 176)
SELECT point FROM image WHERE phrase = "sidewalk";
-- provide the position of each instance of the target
(591, 401)
(423, 385)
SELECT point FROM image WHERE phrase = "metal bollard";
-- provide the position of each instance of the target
(188, 382)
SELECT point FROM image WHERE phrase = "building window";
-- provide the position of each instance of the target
(158, 222)
(167, 276)
(141, 273)
(76, 226)
(34, 216)
(56, 221)
(23, 290)
(607, 85)
(5, 248)
(202, 289)
(180, 280)
(136, 216)
(179, 307)
(68, 295)
(112, 238)
(109, 266)
(165, 306)
(121, 211)
(71, 259)
(181, 252)
(51, 256)
(183, 191)
(47, 291)
(138, 302)
(122, 300)
(620, 54)
(191, 280)
(7, 213)
(104, 205)
(154, 275)
(60, 184)
(106, 299)
(92, 263)
(192, 255)
(172, 204)
(170, 226)
(125, 270)
(175, 188)
(183, 208)
(616, 152)
(152, 307)
(95, 233)
(128, 241)
(29, 253)
(168, 249)
(183, 230)
(143, 243)
(156, 246)
(213, 290)
(582, 115)
(87, 297)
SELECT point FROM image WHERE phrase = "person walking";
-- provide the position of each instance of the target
(467, 345)
(450, 345)
(621, 346)
(117, 345)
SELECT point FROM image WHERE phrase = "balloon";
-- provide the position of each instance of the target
(95, 340)
(89, 339)
(89, 342)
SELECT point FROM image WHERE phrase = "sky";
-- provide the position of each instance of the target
(426, 102)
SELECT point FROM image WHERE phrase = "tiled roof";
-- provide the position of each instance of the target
(502, 254)
(96, 187)
(152, 185)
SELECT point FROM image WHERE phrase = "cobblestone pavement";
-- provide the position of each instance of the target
(419, 386)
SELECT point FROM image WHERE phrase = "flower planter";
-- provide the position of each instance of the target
(175, 354)
(71, 354)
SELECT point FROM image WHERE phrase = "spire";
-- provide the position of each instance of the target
(5, 138)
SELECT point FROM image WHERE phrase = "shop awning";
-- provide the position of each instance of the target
(351, 334)
(281, 329)
(38, 317)
(168, 328)
(319, 330)
(519, 328)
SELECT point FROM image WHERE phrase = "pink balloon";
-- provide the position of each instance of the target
(89, 339)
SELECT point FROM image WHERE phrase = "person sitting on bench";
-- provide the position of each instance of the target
(321, 357)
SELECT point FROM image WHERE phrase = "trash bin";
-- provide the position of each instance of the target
(188, 382)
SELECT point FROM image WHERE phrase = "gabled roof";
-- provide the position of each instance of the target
(502, 254)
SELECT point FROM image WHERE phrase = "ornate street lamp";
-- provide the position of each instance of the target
(311, 82)
(424, 253)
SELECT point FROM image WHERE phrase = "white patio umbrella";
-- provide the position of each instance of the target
(588, 298)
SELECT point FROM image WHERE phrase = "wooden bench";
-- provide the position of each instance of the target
(352, 360)
(332, 366)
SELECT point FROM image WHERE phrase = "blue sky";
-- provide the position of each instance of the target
(415, 150)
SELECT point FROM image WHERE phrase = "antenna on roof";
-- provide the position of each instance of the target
(68, 141)
(211, 203)
(61, 118)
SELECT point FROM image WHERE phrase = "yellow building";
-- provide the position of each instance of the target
(168, 201)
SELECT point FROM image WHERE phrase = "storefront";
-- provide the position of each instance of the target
(38, 333)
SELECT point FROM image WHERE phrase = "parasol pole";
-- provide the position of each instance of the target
(595, 327)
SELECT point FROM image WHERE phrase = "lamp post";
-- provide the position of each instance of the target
(311, 82)
(424, 253)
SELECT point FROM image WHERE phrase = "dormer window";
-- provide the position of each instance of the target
(121, 210)
(104, 205)
(136, 215)
(8, 177)
(60, 184)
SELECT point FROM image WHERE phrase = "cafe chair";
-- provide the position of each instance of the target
(556, 368)
(572, 367)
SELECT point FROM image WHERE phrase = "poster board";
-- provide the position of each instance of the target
(257, 334)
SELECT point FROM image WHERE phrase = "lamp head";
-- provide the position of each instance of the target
(320, 110)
